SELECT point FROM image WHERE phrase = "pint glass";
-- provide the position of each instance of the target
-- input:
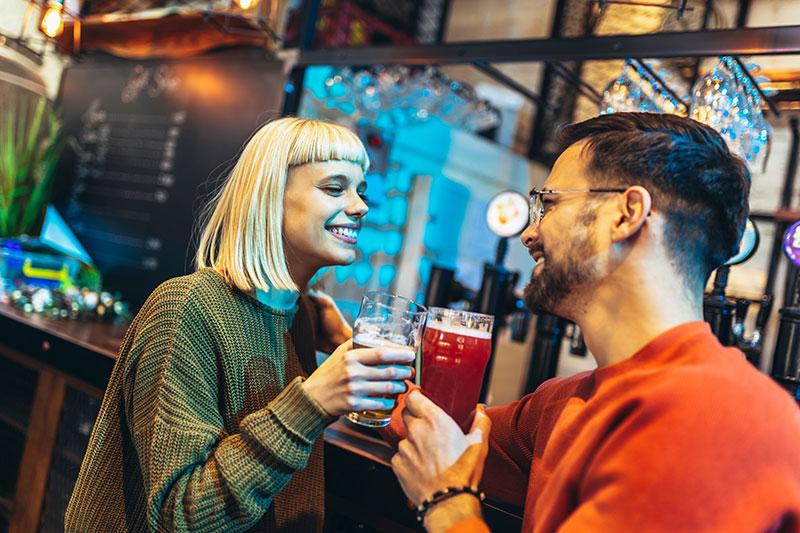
(455, 349)
(386, 320)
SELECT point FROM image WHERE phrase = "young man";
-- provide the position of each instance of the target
(673, 431)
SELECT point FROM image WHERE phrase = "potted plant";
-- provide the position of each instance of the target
(31, 141)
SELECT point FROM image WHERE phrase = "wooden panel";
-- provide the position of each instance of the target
(38, 451)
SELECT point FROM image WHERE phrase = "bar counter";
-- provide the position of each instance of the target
(53, 373)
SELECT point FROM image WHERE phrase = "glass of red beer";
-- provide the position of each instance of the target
(455, 349)
(386, 320)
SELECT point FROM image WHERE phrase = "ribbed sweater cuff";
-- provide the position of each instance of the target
(299, 412)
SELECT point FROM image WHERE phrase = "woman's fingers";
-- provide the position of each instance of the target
(377, 388)
(383, 356)
(388, 373)
(356, 379)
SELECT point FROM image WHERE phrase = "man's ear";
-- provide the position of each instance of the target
(634, 208)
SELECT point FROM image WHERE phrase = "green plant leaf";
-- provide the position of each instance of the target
(28, 159)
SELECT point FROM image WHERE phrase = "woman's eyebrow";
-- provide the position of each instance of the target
(344, 178)
(338, 177)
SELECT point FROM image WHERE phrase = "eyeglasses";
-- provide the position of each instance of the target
(537, 206)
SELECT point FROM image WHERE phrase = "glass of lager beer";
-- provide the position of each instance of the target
(386, 320)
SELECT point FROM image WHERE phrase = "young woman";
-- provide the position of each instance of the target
(212, 415)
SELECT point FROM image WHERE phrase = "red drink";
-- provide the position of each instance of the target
(453, 361)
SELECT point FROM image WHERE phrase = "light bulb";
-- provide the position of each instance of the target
(51, 21)
(245, 4)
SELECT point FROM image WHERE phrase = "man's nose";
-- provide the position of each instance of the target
(530, 235)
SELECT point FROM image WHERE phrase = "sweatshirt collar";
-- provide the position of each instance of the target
(660, 349)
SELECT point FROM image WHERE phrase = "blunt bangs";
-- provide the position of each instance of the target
(321, 141)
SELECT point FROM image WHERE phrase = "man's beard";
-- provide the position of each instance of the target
(546, 292)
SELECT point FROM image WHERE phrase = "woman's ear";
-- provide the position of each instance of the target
(634, 208)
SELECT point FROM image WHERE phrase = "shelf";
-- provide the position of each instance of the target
(160, 33)
(787, 215)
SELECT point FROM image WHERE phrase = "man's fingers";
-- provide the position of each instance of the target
(481, 426)
(419, 405)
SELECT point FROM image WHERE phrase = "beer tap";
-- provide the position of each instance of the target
(786, 359)
(739, 315)
(443, 289)
(577, 346)
(753, 346)
(718, 310)
(546, 347)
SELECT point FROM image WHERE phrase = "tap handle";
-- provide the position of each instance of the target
(742, 306)
(764, 311)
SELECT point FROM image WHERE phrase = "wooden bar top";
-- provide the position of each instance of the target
(358, 459)
(103, 339)
(100, 339)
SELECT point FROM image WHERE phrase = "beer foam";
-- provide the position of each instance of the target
(372, 341)
(466, 332)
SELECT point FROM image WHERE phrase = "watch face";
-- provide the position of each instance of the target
(791, 243)
(748, 245)
(507, 214)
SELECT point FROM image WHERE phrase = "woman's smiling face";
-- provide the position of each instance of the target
(323, 204)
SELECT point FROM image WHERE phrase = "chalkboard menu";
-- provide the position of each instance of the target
(154, 138)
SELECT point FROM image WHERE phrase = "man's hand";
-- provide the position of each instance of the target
(436, 454)
(333, 328)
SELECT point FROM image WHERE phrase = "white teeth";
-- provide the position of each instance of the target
(345, 232)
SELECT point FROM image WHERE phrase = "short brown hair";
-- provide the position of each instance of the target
(696, 182)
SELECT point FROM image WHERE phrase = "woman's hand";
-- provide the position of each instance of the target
(437, 454)
(350, 378)
(334, 329)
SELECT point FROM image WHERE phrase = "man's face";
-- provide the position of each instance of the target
(564, 244)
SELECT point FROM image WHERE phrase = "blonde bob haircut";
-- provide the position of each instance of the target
(242, 234)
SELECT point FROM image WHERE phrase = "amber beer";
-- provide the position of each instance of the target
(386, 320)
(368, 341)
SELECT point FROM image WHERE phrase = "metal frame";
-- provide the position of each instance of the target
(575, 80)
(743, 41)
(680, 7)
(508, 81)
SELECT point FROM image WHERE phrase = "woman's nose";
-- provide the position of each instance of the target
(357, 207)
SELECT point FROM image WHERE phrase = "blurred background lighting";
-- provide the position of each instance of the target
(52, 23)
(245, 4)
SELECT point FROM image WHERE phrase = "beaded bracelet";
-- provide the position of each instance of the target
(442, 495)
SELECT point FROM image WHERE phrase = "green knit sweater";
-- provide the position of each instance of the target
(204, 425)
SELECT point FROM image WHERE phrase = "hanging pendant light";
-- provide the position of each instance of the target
(52, 22)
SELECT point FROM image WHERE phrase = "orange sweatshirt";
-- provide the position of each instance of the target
(685, 435)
